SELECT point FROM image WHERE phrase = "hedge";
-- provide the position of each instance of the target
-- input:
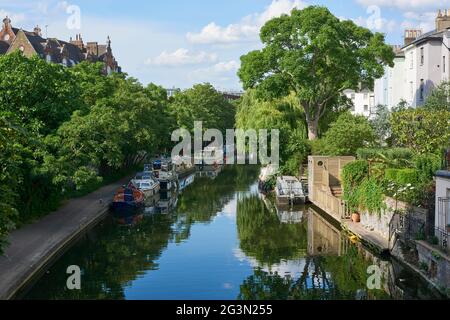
(403, 176)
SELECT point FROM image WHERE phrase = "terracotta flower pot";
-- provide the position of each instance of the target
(356, 217)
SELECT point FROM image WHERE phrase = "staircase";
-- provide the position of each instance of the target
(337, 191)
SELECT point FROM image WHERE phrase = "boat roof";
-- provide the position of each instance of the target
(288, 178)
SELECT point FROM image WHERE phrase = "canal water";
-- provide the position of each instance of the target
(225, 241)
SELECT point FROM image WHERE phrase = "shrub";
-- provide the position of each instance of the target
(408, 176)
(354, 173)
(368, 153)
(391, 153)
(427, 165)
(399, 153)
(371, 196)
(348, 134)
(391, 174)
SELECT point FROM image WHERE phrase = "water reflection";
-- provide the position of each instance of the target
(222, 240)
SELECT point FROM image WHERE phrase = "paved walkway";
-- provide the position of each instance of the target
(34, 245)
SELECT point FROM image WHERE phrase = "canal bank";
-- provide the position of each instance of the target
(33, 247)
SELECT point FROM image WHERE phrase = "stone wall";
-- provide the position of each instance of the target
(380, 222)
(437, 262)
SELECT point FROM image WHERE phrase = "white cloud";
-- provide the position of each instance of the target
(181, 57)
(246, 29)
(423, 20)
(375, 20)
(406, 4)
(226, 66)
(222, 74)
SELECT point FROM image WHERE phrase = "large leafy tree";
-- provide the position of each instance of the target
(345, 136)
(203, 103)
(41, 95)
(422, 130)
(314, 54)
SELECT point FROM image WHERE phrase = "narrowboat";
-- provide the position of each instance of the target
(128, 199)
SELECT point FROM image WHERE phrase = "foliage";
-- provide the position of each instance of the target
(263, 237)
(427, 165)
(353, 174)
(202, 103)
(317, 56)
(396, 156)
(422, 130)
(280, 114)
(370, 196)
(439, 99)
(66, 131)
(381, 124)
(348, 134)
(39, 94)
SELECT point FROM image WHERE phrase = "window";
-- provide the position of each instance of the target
(444, 65)
(422, 89)
(49, 58)
(422, 56)
(64, 62)
(22, 49)
(6, 37)
(411, 88)
(366, 108)
(353, 96)
(366, 96)
(411, 55)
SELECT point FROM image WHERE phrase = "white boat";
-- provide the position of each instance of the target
(209, 156)
(183, 166)
(146, 183)
(164, 171)
(289, 190)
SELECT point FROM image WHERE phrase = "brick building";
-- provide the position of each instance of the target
(54, 50)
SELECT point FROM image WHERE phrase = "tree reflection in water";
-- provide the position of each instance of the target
(317, 275)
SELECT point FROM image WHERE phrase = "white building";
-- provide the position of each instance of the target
(422, 64)
(390, 89)
(363, 102)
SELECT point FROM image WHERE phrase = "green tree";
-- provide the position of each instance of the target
(348, 134)
(281, 114)
(381, 124)
(203, 103)
(41, 95)
(316, 55)
(439, 99)
(422, 130)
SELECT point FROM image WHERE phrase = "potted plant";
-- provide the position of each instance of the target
(353, 205)
(356, 217)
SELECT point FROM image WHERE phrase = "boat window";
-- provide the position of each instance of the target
(320, 163)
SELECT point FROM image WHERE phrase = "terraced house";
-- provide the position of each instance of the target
(421, 64)
(54, 50)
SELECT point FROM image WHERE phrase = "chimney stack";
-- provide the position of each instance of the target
(37, 31)
(411, 35)
(443, 20)
(78, 41)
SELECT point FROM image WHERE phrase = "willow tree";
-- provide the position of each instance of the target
(314, 54)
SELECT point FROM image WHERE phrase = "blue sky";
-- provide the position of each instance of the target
(176, 43)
